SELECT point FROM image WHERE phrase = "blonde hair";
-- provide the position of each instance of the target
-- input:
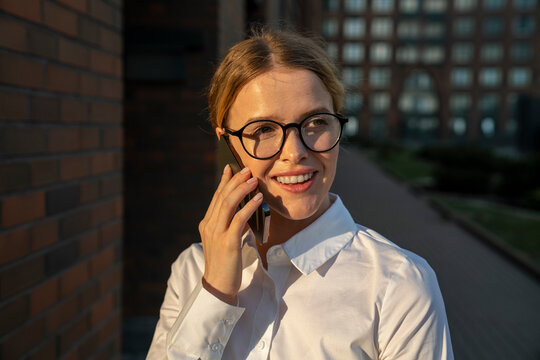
(261, 52)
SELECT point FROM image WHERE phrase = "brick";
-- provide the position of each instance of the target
(14, 245)
(20, 209)
(102, 63)
(111, 233)
(119, 207)
(20, 71)
(89, 31)
(45, 352)
(43, 234)
(14, 176)
(110, 40)
(89, 191)
(110, 280)
(73, 279)
(88, 295)
(73, 111)
(100, 310)
(119, 161)
(13, 106)
(22, 276)
(102, 11)
(79, 5)
(62, 199)
(74, 168)
(75, 223)
(60, 19)
(44, 172)
(22, 140)
(90, 139)
(89, 84)
(102, 213)
(17, 35)
(22, 340)
(61, 314)
(89, 243)
(102, 163)
(62, 79)
(119, 68)
(73, 53)
(42, 43)
(113, 138)
(44, 296)
(29, 10)
(111, 89)
(13, 314)
(106, 112)
(61, 258)
(102, 261)
(89, 346)
(44, 108)
(111, 186)
(64, 140)
(73, 334)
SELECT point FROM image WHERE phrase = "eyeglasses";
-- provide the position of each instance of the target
(263, 139)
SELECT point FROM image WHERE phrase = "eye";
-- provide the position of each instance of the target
(316, 122)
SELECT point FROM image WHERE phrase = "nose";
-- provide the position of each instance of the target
(293, 149)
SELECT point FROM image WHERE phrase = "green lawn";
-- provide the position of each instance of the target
(516, 227)
(404, 165)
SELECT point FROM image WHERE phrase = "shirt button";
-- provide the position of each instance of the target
(261, 345)
(227, 322)
(216, 347)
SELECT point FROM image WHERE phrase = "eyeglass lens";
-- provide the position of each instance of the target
(263, 139)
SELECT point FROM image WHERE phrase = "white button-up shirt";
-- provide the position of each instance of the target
(335, 290)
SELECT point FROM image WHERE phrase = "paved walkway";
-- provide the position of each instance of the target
(493, 307)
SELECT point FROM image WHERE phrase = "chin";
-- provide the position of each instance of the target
(300, 209)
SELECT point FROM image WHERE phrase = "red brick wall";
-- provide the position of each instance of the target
(61, 199)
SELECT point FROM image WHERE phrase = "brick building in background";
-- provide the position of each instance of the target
(60, 178)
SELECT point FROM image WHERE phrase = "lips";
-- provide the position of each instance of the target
(296, 181)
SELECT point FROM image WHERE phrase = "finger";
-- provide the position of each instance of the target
(241, 218)
(225, 178)
(230, 204)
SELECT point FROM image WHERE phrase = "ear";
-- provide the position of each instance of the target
(219, 132)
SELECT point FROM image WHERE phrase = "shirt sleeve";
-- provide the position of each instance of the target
(413, 322)
(193, 324)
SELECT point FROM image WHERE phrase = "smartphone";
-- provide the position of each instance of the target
(258, 221)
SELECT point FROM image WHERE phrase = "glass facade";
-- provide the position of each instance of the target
(353, 52)
(381, 53)
(462, 52)
(354, 28)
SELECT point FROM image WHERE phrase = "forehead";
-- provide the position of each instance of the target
(281, 94)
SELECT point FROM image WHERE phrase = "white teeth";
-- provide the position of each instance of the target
(294, 179)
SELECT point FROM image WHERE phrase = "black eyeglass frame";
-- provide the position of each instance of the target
(284, 128)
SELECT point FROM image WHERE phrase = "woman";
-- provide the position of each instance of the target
(320, 286)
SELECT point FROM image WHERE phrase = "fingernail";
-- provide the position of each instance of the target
(257, 197)
(225, 168)
(244, 170)
(251, 180)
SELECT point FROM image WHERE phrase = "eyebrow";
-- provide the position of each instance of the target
(302, 116)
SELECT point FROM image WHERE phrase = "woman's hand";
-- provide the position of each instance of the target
(221, 233)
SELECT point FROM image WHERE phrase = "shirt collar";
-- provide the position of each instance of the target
(322, 239)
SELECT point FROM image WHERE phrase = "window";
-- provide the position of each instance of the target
(382, 5)
(409, 29)
(353, 102)
(523, 25)
(490, 77)
(353, 52)
(379, 78)
(489, 104)
(462, 52)
(381, 52)
(380, 102)
(464, 26)
(381, 28)
(355, 5)
(525, 4)
(460, 103)
(354, 28)
(378, 127)
(351, 127)
(433, 54)
(352, 76)
(408, 6)
(461, 77)
(459, 126)
(464, 5)
(407, 54)
(494, 4)
(331, 5)
(492, 52)
(493, 26)
(330, 27)
(521, 51)
(520, 76)
(488, 126)
(435, 6)
(332, 50)
(433, 30)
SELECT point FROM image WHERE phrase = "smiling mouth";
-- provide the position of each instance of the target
(295, 179)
